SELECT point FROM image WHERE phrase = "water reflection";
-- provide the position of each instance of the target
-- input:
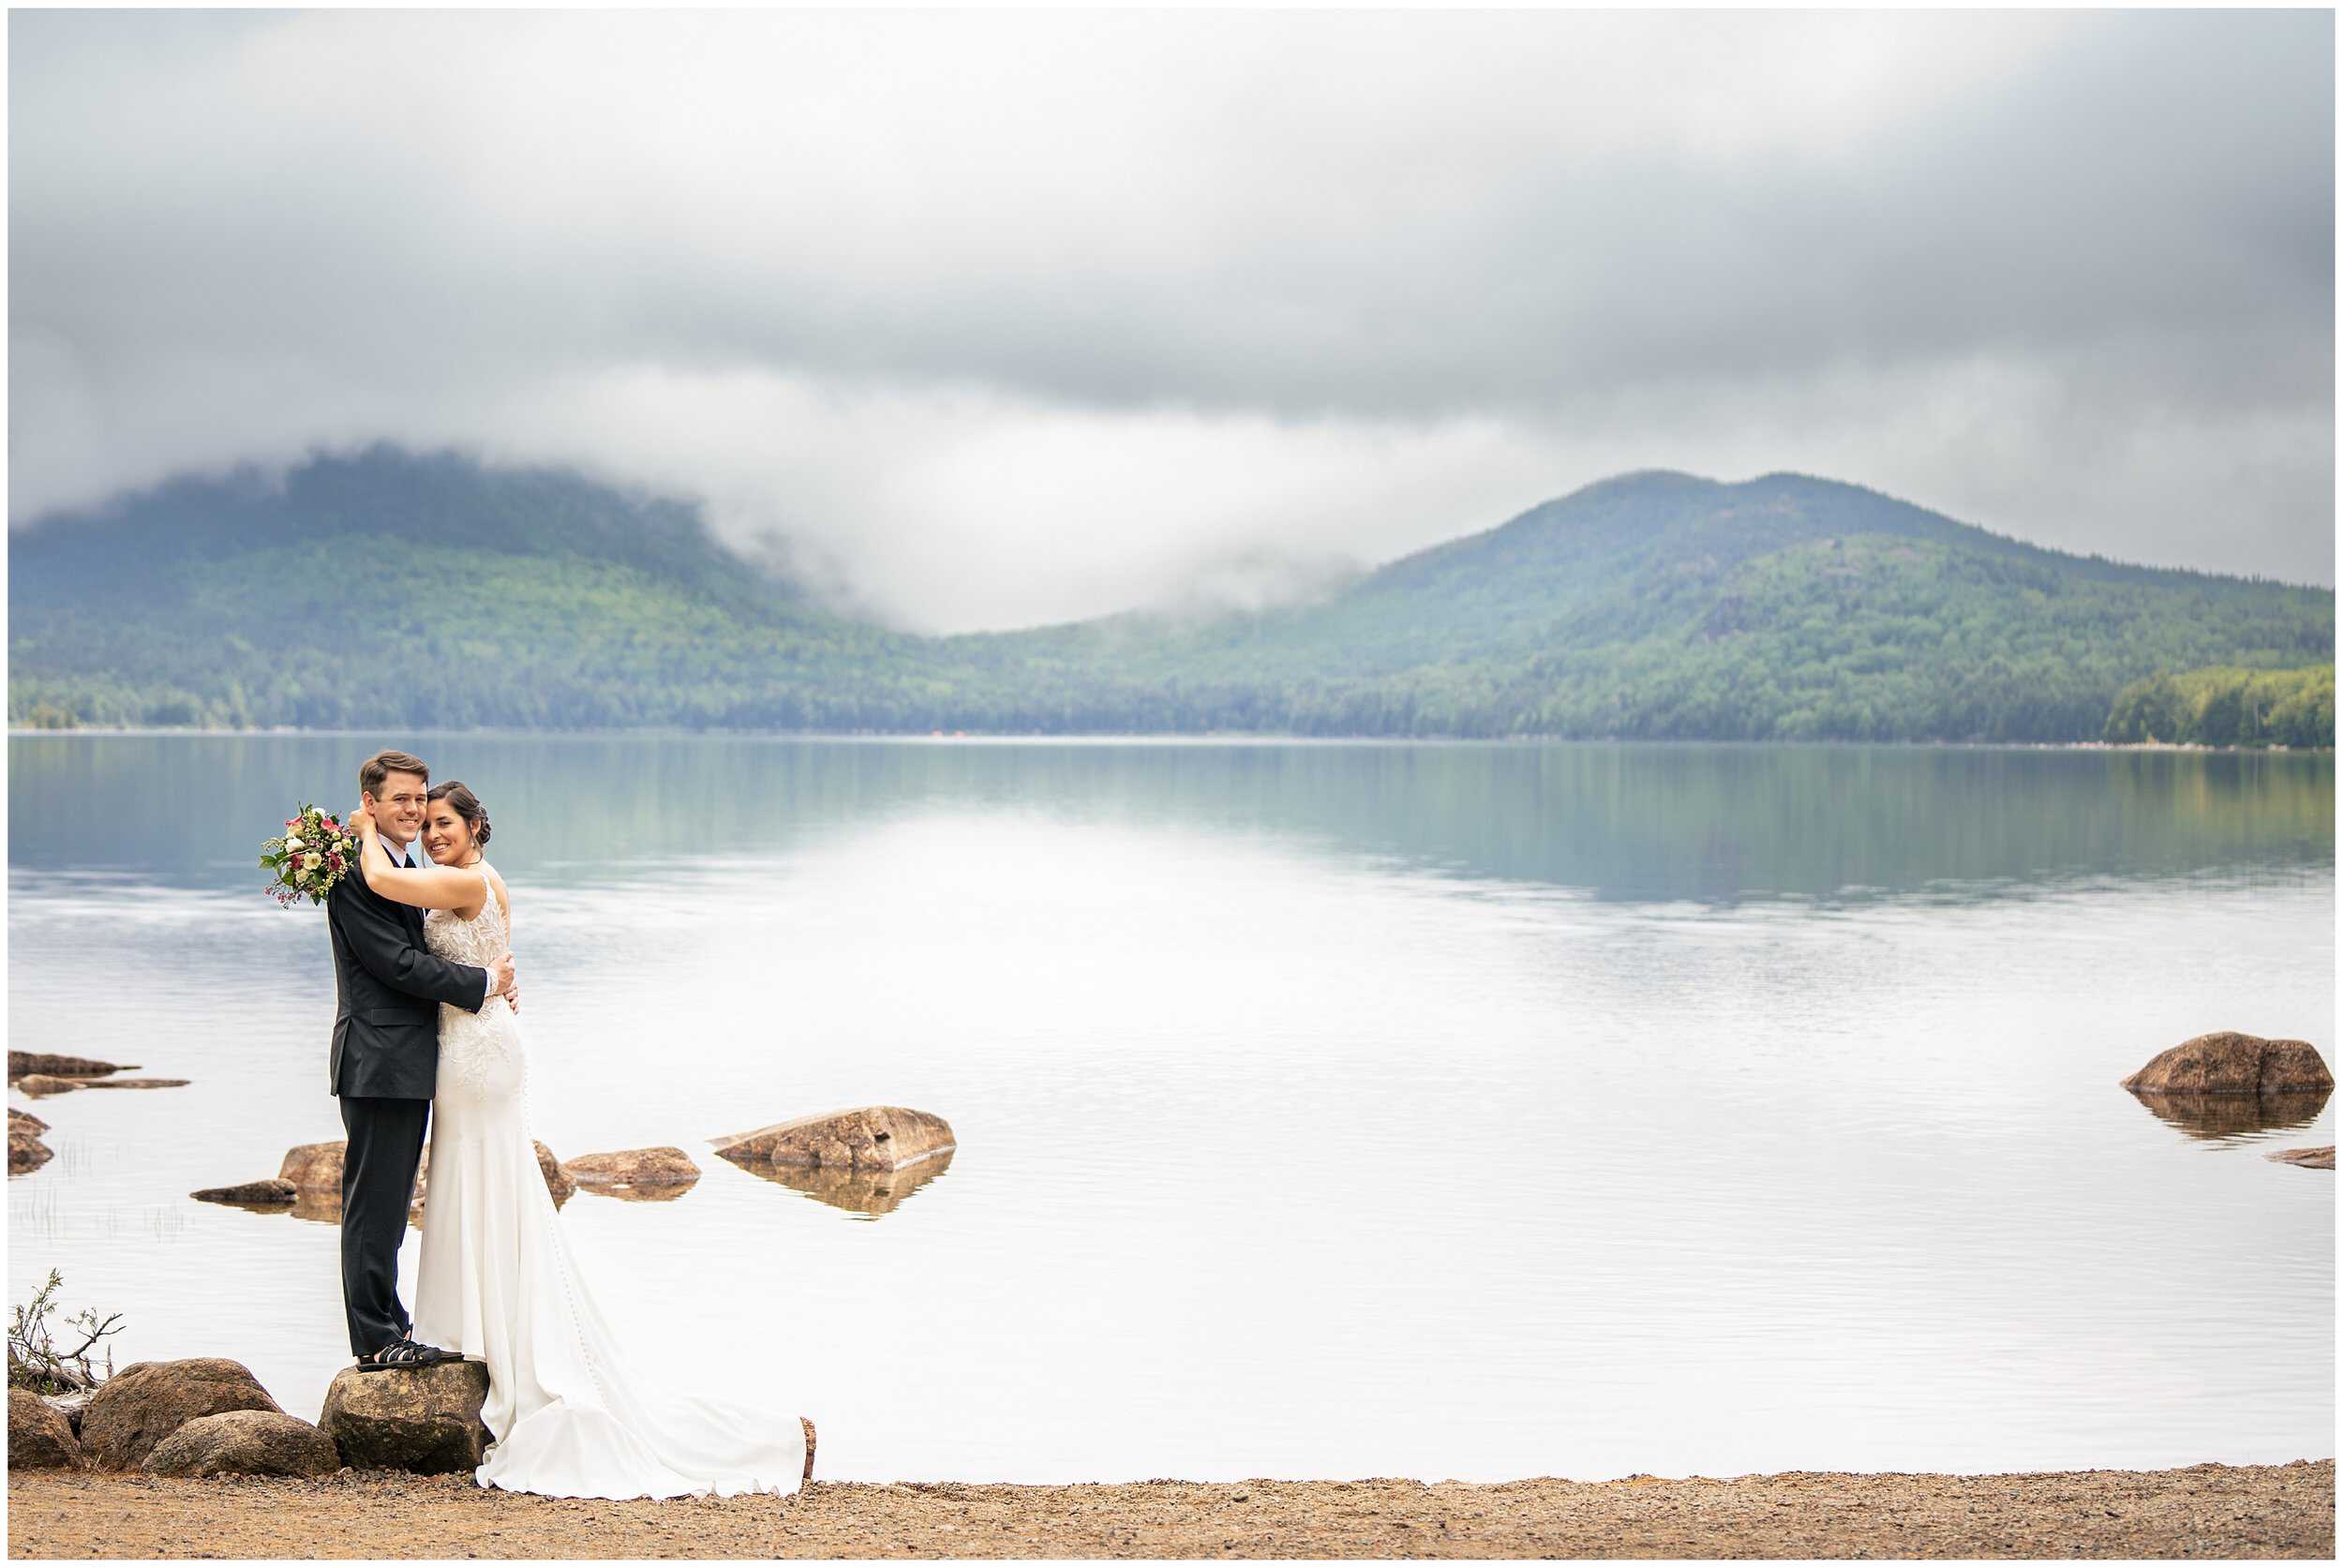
(660, 1192)
(2234, 1118)
(1710, 822)
(867, 1193)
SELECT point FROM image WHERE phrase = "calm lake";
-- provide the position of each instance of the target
(1323, 1110)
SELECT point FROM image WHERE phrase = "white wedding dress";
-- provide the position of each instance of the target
(572, 1413)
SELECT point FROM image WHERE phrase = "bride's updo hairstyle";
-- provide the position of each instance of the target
(466, 805)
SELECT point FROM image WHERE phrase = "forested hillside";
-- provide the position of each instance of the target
(387, 589)
(2228, 708)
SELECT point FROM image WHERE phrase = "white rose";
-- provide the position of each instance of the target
(312, 860)
(292, 846)
(302, 875)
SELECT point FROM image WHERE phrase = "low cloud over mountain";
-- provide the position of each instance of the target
(1013, 319)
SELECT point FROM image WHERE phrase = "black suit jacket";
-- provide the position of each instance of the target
(388, 988)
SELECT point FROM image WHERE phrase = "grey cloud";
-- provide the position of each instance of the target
(2068, 275)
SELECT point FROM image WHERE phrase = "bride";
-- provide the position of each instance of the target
(572, 1414)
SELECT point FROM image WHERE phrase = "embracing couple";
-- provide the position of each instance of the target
(427, 1029)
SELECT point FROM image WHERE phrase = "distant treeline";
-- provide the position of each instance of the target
(2226, 707)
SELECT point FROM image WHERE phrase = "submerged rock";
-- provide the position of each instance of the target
(244, 1442)
(425, 1419)
(27, 1152)
(270, 1193)
(142, 1404)
(39, 1436)
(2229, 1063)
(2315, 1159)
(646, 1174)
(135, 1083)
(873, 1138)
(43, 1084)
(22, 1063)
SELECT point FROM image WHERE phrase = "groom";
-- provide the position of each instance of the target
(386, 1054)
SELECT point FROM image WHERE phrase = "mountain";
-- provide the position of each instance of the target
(423, 591)
(426, 592)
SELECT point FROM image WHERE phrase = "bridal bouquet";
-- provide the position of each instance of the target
(309, 857)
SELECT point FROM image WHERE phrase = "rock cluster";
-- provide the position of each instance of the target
(209, 1416)
(2315, 1159)
(309, 1179)
(41, 1072)
(146, 1402)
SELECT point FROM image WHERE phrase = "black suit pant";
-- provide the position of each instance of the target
(378, 1180)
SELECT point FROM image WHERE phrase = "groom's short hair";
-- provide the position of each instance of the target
(381, 765)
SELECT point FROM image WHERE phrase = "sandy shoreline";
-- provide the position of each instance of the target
(2216, 1511)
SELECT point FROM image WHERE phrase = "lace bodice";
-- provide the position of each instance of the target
(480, 940)
(482, 1060)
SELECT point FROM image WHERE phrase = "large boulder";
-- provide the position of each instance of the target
(142, 1404)
(39, 1436)
(2320, 1159)
(652, 1173)
(269, 1193)
(22, 1063)
(2229, 1063)
(873, 1138)
(314, 1167)
(244, 1442)
(425, 1419)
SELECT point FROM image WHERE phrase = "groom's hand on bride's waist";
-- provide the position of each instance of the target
(503, 982)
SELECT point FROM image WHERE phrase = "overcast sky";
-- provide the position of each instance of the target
(1008, 319)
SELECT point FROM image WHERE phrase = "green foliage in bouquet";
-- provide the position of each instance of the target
(313, 853)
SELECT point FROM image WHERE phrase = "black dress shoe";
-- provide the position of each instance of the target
(406, 1353)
